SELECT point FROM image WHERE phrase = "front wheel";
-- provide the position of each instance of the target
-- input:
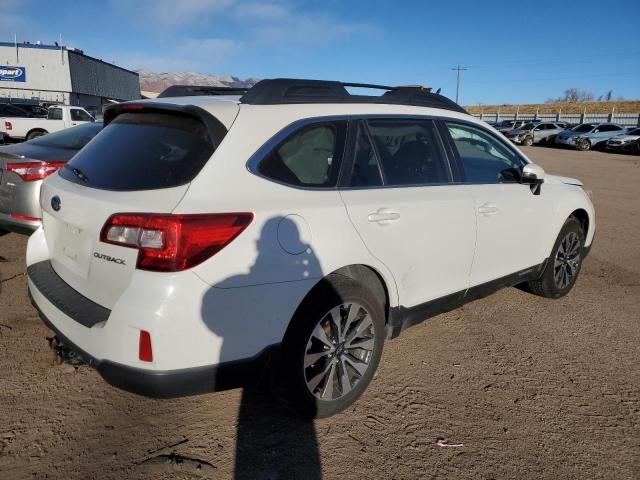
(583, 145)
(333, 347)
(563, 266)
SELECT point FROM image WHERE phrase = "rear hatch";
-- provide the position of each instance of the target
(141, 162)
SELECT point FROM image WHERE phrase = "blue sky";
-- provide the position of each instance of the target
(516, 52)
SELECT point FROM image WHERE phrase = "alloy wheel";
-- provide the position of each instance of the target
(567, 261)
(339, 351)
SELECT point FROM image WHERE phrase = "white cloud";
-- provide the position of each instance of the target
(189, 54)
(172, 13)
(307, 29)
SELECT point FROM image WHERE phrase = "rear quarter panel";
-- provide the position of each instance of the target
(315, 220)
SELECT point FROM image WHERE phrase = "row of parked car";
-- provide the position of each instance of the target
(584, 136)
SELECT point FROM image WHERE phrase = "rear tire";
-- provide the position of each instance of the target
(564, 263)
(527, 142)
(35, 134)
(332, 347)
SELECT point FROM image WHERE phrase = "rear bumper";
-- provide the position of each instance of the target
(184, 348)
(16, 225)
(174, 383)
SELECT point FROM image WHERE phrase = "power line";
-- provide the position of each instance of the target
(551, 79)
(458, 69)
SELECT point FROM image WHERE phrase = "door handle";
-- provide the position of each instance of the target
(383, 216)
(487, 209)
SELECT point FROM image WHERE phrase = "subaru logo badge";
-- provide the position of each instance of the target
(55, 203)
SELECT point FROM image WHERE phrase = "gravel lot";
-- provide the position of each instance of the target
(511, 386)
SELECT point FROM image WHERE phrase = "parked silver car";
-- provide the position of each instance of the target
(624, 141)
(531, 133)
(23, 166)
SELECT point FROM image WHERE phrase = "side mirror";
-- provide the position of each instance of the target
(532, 174)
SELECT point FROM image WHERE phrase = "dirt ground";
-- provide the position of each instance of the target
(509, 387)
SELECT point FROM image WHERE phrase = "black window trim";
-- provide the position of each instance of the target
(346, 164)
(502, 141)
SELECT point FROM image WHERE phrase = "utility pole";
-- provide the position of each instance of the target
(458, 69)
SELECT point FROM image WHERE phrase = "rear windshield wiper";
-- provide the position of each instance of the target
(77, 172)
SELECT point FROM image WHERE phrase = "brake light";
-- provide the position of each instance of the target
(24, 217)
(132, 106)
(171, 243)
(30, 171)
(8, 125)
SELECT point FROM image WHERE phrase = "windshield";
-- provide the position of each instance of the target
(585, 127)
(634, 132)
(143, 151)
(72, 138)
(528, 126)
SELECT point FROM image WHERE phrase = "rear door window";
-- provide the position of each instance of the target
(142, 151)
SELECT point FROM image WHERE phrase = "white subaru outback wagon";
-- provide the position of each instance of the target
(212, 235)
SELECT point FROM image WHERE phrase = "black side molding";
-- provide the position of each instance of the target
(65, 298)
(401, 318)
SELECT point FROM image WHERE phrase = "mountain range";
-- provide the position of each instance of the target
(157, 82)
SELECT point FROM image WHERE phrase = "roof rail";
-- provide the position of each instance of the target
(198, 90)
(295, 91)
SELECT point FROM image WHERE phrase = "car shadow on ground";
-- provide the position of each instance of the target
(272, 441)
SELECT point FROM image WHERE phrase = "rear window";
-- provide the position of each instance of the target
(142, 151)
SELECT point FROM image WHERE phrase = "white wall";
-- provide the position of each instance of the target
(46, 69)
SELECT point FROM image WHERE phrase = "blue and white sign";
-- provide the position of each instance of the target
(13, 74)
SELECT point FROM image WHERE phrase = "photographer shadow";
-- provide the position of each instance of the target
(272, 442)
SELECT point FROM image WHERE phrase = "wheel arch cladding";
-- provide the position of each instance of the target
(583, 217)
(365, 276)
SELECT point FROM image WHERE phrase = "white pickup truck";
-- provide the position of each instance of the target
(59, 118)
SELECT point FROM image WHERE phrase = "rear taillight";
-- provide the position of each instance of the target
(8, 125)
(170, 243)
(29, 171)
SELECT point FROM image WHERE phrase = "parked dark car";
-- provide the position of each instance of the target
(10, 110)
(23, 166)
(506, 125)
(34, 110)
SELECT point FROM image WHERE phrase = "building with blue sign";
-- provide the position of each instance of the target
(49, 74)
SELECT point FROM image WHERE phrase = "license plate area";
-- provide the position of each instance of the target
(74, 249)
